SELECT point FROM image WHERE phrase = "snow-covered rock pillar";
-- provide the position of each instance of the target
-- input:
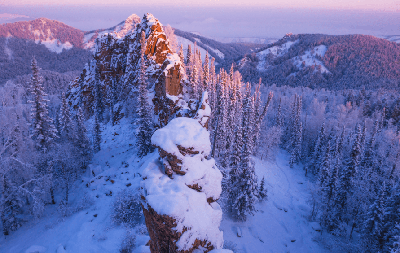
(180, 187)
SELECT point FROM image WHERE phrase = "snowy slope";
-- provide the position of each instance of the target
(309, 58)
(275, 51)
(89, 228)
(119, 31)
(280, 225)
(185, 42)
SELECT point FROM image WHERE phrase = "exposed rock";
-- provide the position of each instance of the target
(117, 62)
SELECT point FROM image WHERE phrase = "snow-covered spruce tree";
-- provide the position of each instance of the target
(43, 131)
(96, 134)
(318, 153)
(144, 122)
(82, 141)
(245, 190)
(66, 125)
(325, 169)
(279, 119)
(98, 96)
(373, 224)
(297, 134)
(262, 192)
(345, 183)
(189, 61)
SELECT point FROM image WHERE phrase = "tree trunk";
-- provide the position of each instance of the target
(52, 196)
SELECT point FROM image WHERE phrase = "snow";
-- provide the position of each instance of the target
(275, 51)
(309, 58)
(279, 220)
(280, 224)
(7, 50)
(185, 132)
(119, 31)
(54, 45)
(36, 249)
(172, 196)
(82, 232)
(203, 114)
(185, 42)
(217, 52)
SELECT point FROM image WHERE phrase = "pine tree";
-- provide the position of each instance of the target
(145, 121)
(98, 96)
(96, 134)
(262, 193)
(82, 141)
(297, 133)
(279, 119)
(66, 124)
(373, 224)
(189, 61)
(324, 172)
(318, 150)
(43, 133)
(206, 74)
(235, 159)
(345, 187)
(12, 204)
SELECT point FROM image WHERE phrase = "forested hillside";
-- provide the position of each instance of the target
(16, 54)
(326, 61)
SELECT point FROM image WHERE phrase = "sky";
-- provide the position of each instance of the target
(223, 18)
(384, 5)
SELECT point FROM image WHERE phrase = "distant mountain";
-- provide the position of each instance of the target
(316, 60)
(53, 34)
(119, 31)
(62, 48)
(224, 53)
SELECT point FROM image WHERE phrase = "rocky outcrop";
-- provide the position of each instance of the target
(180, 188)
(115, 67)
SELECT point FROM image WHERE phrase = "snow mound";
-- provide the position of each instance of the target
(36, 249)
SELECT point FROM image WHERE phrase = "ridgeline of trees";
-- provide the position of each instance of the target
(353, 61)
(20, 52)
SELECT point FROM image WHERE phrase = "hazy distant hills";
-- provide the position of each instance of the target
(315, 60)
(305, 60)
(62, 48)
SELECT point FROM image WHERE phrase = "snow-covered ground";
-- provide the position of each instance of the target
(185, 42)
(55, 45)
(280, 224)
(89, 228)
(275, 51)
(309, 58)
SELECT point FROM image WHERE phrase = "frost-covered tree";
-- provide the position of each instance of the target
(144, 122)
(96, 135)
(43, 131)
(262, 192)
(373, 224)
(82, 141)
(66, 125)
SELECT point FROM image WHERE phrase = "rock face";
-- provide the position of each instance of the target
(180, 187)
(115, 67)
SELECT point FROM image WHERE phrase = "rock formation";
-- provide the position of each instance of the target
(179, 188)
(116, 62)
